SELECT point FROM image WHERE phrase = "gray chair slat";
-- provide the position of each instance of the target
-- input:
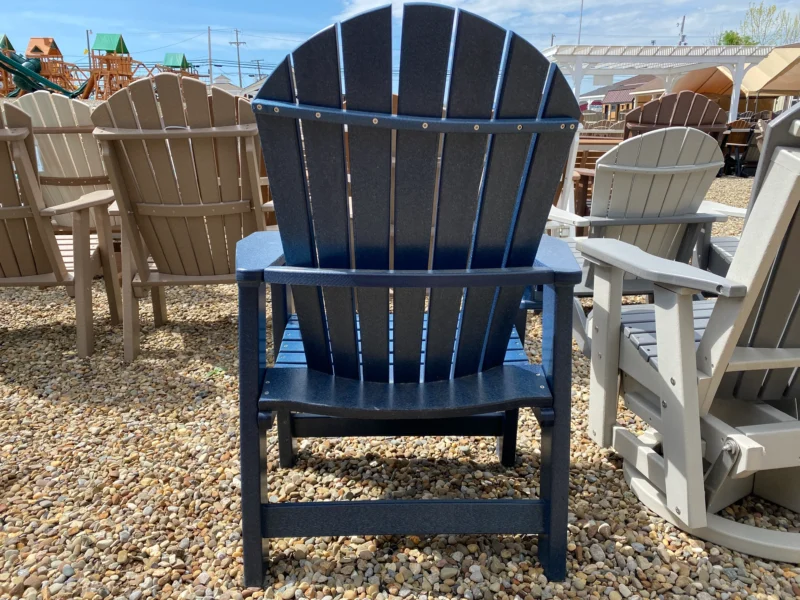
(520, 95)
(316, 71)
(280, 141)
(776, 311)
(367, 57)
(476, 63)
(425, 52)
(550, 152)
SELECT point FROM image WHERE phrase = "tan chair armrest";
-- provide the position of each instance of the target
(92, 199)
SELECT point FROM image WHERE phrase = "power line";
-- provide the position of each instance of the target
(168, 45)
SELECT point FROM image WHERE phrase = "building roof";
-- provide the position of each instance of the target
(778, 74)
(620, 92)
(656, 84)
(5, 44)
(42, 46)
(597, 93)
(176, 60)
(110, 42)
(224, 83)
(253, 89)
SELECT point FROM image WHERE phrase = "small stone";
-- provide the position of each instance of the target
(448, 573)
(288, 592)
(68, 571)
(33, 581)
(625, 590)
(597, 553)
(614, 595)
(578, 583)
(135, 595)
(349, 594)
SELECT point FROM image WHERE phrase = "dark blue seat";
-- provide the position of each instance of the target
(406, 243)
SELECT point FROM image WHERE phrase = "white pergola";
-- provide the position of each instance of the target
(668, 62)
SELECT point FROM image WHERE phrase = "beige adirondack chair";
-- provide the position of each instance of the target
(185, 174)
(647, 192)
(716, 382)
(70, 161)
(31, 254)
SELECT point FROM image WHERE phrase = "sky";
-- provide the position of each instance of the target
(271, 28)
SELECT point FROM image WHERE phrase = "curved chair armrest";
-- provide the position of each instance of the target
(90, 200)
(255, 253)
(113, 209)
(658, 270)
(555, 254)
(723, 209)
(567, 218)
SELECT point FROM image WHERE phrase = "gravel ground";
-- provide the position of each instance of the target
(734, 191)
(121, 481)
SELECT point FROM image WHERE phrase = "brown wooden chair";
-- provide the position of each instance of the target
(684, 109)
(735, 142)
(184, 167)
(31, 254)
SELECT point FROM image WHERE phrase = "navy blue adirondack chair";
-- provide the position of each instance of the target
(406, 285)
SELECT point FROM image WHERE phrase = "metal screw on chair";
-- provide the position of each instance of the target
(318, 115)
(562, 126)
(259, 107)
(677, 510)
(572, 126)
(663, 404)
(424, 125)
(476, 127)
(276, 109)
(375, 121)
(519, 127)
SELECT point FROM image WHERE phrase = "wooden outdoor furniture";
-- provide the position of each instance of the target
(31, 254)
(187, 186)
(647, 192)
(735, 142)
(716, 253)
(70, 157)
(716, 381)
(686, 109)
(363, 355)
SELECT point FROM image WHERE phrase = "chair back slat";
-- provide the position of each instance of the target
(367, 57)
(145, 104)
(424, 54)
(684, 109)
(550, 152)
(483, 190)
(173, 114)
(476, 62)
(524, 79)
(316, 71)
(27, 244)
(280, 141)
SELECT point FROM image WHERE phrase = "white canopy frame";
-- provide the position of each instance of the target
(668, 62)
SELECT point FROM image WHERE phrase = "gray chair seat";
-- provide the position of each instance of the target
(638, 322)
(721, 253)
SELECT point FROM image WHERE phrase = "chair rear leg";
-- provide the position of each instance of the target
(507, 443)
(83, 283)
(521, 322)
(285, 441)
(159, 306)
(130, 305)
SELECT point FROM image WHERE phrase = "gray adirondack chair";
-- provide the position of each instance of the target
(185, 174)
(717, 381)
(647, 192)
(715, 253)
(363, 356)
(31, 253)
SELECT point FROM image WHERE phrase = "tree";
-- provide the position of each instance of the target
(732, 38)
(768, 26)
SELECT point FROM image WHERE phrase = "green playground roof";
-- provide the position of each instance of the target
(5, 44)
(110, 42)
(176, 60)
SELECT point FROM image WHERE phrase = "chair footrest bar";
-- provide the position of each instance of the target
(306, 426)
(397, 517)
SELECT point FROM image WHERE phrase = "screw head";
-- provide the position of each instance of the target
(572, 126)
(375, 121)
(318, 115)
(276, 109)
(259, 107)
(677, 510)
(424, 125)
(672, 380)
(562, 126)
(663, 404)
(476, 127)
(519, 127)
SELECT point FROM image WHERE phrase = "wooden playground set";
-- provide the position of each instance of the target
(111, 67)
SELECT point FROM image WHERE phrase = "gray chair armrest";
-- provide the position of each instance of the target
(723, 209)
(658, 270)
(565, 217)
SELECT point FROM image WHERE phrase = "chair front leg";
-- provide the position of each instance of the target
(680, 406)
(130, 303)
(604, 372)
(108, 263)
(83, 282)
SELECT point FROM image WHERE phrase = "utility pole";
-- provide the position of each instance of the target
(552, 38)
(681, 37)
(210, 65)
(88, 48)
(258, 62)
(580, 24)
(237, 43)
